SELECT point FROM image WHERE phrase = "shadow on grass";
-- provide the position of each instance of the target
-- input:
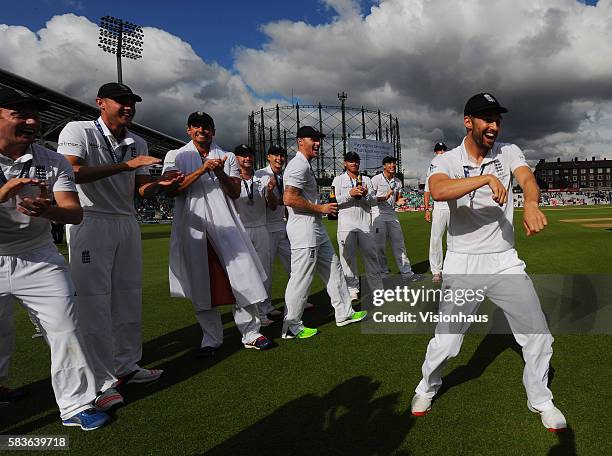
(347, 420)
(566, 445)
(182, 342)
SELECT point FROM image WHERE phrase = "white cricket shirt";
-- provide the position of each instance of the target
(439, 204)
(477, 223)
(304, 229)
(354, 213)
(275, 219)
(252, 211)
(386, 209)
(113, 195)
(20, 233)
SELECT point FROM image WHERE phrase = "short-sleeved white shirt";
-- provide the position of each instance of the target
(439, 204)
(20, 233)
(477, 223)
(385, 210)
(275, 219)
(113, 195)
(252, 211)
(354, 214)
(304, 229)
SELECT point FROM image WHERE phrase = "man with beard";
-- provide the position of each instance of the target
(110, 164)
(275, 219)
(256, 195)
(439, 221)
(388, 189)
(206, 224)
(311, 248)
(355, 197)
(476, 180)
(32, 178)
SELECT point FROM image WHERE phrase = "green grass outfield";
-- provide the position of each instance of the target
(342, 392)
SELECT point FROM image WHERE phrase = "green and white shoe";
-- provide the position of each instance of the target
(357, 316)
(303, 334)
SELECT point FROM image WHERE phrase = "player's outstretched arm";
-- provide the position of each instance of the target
(292, 197)
(84, 174)
(67, 209)
(534, 219)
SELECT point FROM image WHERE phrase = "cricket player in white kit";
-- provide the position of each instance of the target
(388, 190)
(37, 186)
(310, 245)
(355, 201)
(204, 213)
(256, 194)
(275, 219)
(439, 221)
(476, 180)
(110, 164)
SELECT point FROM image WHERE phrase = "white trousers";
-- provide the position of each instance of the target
(499, 273)
(106, 266)
(279, 245)
(392, 230)
(348, 243)
(246, 320)
(41, 282)
(260, 238)
(439, 222)
(304, 262)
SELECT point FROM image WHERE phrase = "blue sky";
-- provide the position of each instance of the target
(232, 23)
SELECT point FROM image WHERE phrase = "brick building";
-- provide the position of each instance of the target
(574, 175)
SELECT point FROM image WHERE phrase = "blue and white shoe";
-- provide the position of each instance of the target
(261, 343)
(88, 420)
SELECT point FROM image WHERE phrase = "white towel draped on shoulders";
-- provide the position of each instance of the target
(204, 211)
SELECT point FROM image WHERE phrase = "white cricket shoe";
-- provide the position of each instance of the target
(437, 277)
(106, 400)
(421, 405)
(552, 419)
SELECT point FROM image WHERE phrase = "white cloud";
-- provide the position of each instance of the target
(172, 79)
(546, 59)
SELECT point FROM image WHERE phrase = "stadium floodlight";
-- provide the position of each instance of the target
(122, 38)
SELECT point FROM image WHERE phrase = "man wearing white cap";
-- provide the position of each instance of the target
(439, 221)
(476, 180)
(37, 186)
(206, 226)
(311, 248)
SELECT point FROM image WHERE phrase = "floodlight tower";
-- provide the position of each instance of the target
(342, 97)
(121, 38)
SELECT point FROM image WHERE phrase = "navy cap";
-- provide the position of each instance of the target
(389, 159)
(277, 150)
(482, 102)
(309, 132)
(440, 146)
(352, 157)
(116, 90)
(200, 118)
(12, 97)
(242, 150)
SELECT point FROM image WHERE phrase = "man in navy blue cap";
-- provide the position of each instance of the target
(439, 220)
(110, 164)
(476, 180)
(36, 187)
